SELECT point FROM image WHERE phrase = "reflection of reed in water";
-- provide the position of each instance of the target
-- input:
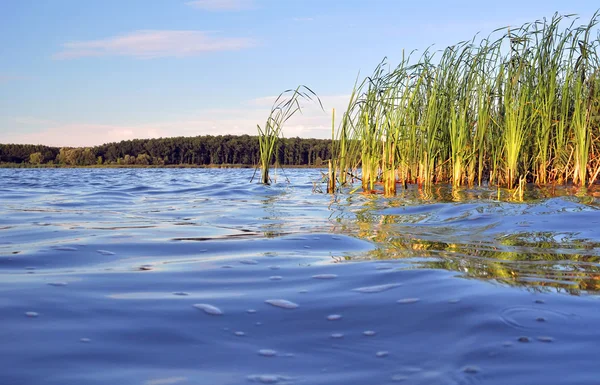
(537, 260)
(534, 260)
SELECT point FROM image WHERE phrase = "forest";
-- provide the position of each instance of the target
(199, 151)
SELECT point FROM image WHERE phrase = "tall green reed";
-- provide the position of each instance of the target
(285, 106)
(520, 105)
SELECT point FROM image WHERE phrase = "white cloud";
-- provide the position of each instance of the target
(221, 5)
(154, 43)
(313, 123)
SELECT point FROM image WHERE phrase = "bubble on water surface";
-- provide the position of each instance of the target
(399, 378)
(268, 378)
(276, 278)
(57, 284)
(377, 288)
(85, 340)
(545, 339)
(208, 309)
(408, 300)
(267, 352)
(471, 369)
(325, 276)
(533, 317)
(369, 333)
(239, 333)
(454, 301)
(382, 354)
(251, 311)
(337, 335)
(32, 314)
(249, 262)
(334, 317)
(282, 303)
(105, 252)
(166, 381)
(65, 248)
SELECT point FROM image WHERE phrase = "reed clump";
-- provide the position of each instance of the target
(286, 105)
(521, 105)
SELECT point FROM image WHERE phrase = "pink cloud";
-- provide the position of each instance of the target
(239, 120)
(154, 43)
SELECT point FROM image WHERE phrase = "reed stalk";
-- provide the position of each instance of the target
(332, 162)
(285, 106)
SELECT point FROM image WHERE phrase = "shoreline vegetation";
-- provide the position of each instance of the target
(211, 166)
(200, 151)
(520, 106)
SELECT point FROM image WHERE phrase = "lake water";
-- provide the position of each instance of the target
(179, 276)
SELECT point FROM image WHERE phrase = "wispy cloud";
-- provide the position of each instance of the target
(221, 5)
(312, 123)
(148, 44)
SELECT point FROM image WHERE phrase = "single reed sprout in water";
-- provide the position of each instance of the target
(522, 104)
(332, 162)
(284, 107)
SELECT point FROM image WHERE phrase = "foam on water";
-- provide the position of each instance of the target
(267, 352)
(282, 303)
(208, 309)
(324, 276)
(377, 288)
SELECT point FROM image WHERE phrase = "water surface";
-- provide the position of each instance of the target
(177, 276)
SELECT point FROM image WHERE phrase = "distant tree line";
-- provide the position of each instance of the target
(199, 150)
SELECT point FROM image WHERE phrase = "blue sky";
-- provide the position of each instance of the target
(81, 73)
